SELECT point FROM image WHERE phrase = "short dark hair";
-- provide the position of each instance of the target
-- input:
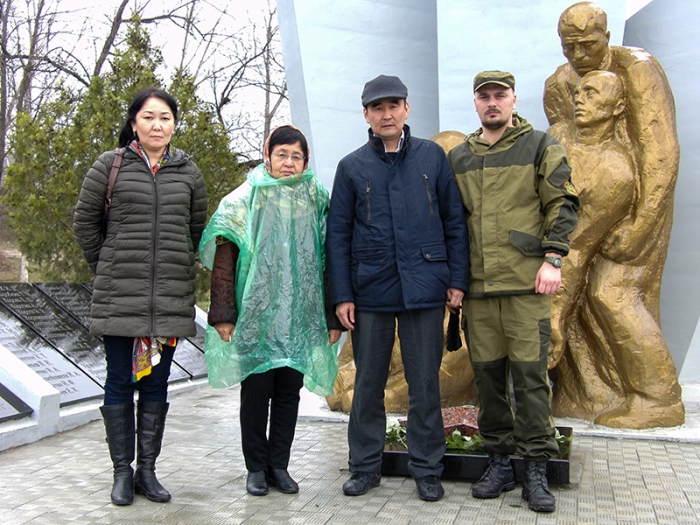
(127, 133)
(288, 135)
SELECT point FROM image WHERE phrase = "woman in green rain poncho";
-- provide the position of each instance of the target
(268, 324)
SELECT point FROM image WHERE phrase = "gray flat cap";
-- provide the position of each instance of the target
(383, 87)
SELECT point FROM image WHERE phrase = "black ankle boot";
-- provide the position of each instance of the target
(119, 427)
(498, 478)
(535, 488)
(149, 431)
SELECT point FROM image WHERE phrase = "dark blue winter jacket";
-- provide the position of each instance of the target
(397, 237)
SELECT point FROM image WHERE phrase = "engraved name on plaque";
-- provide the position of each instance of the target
(55, 325)
(72, 297)
(73, 384)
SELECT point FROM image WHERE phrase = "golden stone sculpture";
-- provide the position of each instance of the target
(610, 361)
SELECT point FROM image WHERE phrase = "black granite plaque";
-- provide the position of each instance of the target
(12, 407)
(7, 411)
(177, 373)
(72, 297)
(61, 330)
(190, 358)
(198, 340)
(73, 384)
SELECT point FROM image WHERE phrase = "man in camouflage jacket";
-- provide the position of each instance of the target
(520, 208)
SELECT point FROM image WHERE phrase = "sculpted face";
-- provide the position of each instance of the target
(584, 49)
(598, 98)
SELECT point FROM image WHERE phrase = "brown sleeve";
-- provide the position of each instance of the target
(223, 284)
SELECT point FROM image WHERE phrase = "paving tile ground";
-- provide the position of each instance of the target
(66, 479)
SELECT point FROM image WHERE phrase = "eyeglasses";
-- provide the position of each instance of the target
(282, 157)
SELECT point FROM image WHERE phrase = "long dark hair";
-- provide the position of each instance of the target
(127, 133)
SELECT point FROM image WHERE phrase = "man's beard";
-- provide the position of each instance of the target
(495, 124)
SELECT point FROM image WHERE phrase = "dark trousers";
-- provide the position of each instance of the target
(276, 391)
(118, 386)
(421, 336)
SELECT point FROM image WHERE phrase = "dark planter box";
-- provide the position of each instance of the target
(468, 467)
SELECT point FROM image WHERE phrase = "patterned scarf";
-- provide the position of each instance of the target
(136, 148)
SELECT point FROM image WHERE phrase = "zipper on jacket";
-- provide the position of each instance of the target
(369, 201)
(427, 190)
(154, 254)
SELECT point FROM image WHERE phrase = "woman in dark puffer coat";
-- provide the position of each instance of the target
(143, 298)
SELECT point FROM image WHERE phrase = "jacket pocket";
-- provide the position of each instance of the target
(435, 252)
(369, 201)
(529, 245)
(427, 190)
(431, 276)
(375, 280)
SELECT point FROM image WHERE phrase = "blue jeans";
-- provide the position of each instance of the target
(118, 386)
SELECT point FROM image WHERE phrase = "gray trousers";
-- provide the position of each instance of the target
(421, 336)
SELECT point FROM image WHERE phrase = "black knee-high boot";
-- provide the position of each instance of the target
(150, 421)
(119, 426)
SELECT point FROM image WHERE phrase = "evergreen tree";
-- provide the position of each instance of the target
(54, 151)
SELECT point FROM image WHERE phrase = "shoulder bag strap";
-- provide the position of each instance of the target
(116, 164)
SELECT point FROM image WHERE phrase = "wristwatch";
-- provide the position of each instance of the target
(554, 261)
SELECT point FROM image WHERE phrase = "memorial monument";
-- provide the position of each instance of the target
(608, 358)
(610, 361)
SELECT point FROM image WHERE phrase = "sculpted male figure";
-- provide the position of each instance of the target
(605, 179)
(638, 245)
(397, 253)
(520, 207)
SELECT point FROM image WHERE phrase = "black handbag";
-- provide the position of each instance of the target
(453, 340)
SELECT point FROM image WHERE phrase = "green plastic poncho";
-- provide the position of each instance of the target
(279, 226)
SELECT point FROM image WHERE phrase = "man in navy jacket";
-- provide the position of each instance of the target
(397, 249)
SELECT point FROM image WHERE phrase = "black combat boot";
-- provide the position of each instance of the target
(498, 478)
(535, 488)
(119, 426)
(150, 424)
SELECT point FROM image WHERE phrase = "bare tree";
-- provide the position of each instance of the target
(111, 38)
(5, 9)
(236, 64)
(250, 88)
(31, 64)
(274, 83)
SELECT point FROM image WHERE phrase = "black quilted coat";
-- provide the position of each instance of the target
(144, 266)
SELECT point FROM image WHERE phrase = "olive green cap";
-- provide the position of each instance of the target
(502, 78)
